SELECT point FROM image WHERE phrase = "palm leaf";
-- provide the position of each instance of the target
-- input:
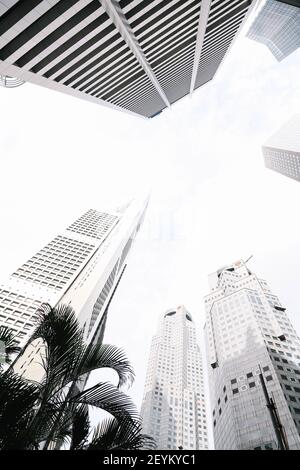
(17, 401)
(124, 434)
(105, 355)
(109, 398)
(63, 338)
(9, 339)
(80, 427)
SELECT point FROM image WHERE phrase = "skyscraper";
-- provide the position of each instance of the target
(295, 3)
(277, 26)
(250, 342)
(282, 150)
(173, 408)
(135, 55)
(80, 267)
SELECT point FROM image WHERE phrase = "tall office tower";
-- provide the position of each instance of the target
(277, 25)
(173, 408)
(80, 267)
(282, 150)
(250, 342)
(295, 3)
(135, 55)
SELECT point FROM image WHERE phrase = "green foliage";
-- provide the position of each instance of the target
(55, 412)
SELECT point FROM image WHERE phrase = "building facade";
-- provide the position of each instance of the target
(277, 26)
(173, 408)
(282, 150)
(80, 267)
(249, 338)
(140, 56)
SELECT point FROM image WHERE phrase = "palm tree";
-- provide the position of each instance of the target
(55, 411)
(8, 345)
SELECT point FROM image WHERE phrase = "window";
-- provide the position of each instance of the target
(251, 384)
(235, 390)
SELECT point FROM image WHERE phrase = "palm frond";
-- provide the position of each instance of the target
(109, 398)
(60, 332)
(17, 401)
(106, 355)
(8, 338)
(80, 427)
(123, 434)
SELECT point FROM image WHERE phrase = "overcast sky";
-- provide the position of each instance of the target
(213, 201)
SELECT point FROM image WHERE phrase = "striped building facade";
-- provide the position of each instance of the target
(140, 56)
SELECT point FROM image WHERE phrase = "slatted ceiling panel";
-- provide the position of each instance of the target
(107, 48)
(111, 43)
(227, 15)
(182, 58)
(138, 92)
(220, 44)
(87, 54)
(104, 66)
(75, 44)
(164, 19)
(13, 23)
(114, 70)
(165, 42)
(51, 41)
(120, 90)
(217, 36)
(4, 6)
(36, 30)
(85, 38)
(97, 73)
(143, 90)
(10, 15)
(113, 79)
(177, 80)
(81, 43)
(124, 3)
(223, 23)
(163, 31)
(139, 106)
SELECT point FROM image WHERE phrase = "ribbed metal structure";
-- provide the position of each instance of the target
(135, 55)
(10, 82)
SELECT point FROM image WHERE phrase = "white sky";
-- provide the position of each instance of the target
(212, 203)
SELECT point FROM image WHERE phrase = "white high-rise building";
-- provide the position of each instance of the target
(80, 267)
(139, 56)
(277, 26)
(249, 337)
(173, 408)
(282, 150)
